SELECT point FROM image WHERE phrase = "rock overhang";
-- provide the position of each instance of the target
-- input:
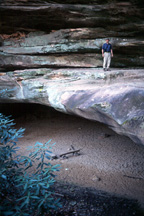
(114, 98)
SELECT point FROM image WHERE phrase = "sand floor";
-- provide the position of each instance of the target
(108, 162)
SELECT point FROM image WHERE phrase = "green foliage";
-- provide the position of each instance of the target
(22, 191)
(6, 92)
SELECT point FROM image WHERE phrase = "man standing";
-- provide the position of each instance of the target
(107, 53)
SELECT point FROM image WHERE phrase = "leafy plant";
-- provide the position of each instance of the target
(6, 92)
(23, 192)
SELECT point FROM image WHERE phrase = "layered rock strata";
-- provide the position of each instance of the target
(50, 53)
(46, 33)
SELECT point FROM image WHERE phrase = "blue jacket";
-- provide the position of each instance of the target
(107, 47)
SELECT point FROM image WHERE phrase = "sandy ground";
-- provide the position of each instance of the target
(108, 162)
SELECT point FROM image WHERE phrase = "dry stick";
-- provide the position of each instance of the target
(133, 177)
(61, 155)
(70, 152)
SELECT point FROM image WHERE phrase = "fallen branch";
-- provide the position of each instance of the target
(74, 152)
(133, 177)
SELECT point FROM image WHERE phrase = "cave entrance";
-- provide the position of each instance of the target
(22, 109)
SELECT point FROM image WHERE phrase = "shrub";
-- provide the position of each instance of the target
(23, 192)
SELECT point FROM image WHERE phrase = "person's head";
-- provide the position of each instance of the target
(107, 40)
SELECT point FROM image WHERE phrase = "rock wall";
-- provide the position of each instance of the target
(50, 53)
(41, 33)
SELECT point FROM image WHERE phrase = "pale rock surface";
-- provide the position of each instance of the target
(115, 98)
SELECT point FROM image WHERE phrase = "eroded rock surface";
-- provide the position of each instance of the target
(50, 53)
(38, 33)
(115, 98)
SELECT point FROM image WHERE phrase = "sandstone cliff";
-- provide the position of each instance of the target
(50, 53)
